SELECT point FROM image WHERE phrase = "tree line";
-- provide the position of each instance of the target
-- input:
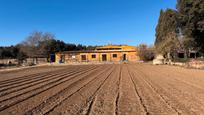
(42, 44)
(181, 29)
(39, 44)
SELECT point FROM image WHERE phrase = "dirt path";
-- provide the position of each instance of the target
(117, 89)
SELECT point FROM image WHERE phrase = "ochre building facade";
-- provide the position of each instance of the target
(109, 53)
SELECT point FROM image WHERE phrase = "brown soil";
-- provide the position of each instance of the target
(126, 89)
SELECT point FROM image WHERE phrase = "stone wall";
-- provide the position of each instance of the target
(196, 64)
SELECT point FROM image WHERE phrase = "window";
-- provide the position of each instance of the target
(83, 57)
(93, 56)
(114, 55)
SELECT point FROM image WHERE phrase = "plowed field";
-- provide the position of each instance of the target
(126, 89)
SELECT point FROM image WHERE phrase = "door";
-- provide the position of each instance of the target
(104, 57)
(62, 58)
(124, 57)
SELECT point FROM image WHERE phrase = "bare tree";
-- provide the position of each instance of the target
(33, 39)
(35, 44)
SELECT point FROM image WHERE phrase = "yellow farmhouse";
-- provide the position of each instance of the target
(108, 53)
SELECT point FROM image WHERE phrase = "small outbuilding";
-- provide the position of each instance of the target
(159, 59)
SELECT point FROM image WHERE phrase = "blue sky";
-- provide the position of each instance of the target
(88, 22)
